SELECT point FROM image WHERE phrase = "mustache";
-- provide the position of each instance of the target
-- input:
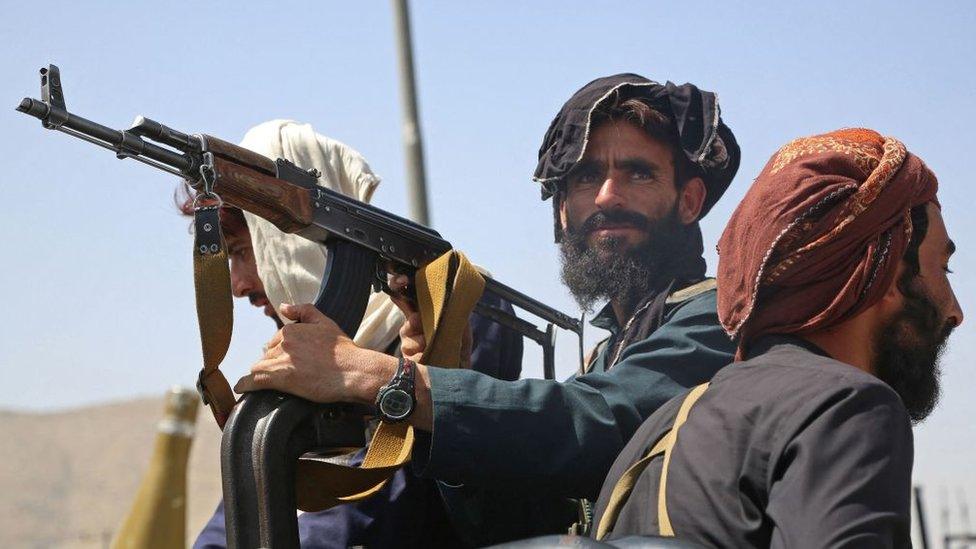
(947, 329)
(601, 220)
(255, 297)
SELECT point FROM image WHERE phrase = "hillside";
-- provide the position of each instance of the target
(67, 479)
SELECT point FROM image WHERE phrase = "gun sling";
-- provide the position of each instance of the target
(447, 290)
(624, 486)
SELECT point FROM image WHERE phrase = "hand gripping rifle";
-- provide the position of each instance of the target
(268, 431)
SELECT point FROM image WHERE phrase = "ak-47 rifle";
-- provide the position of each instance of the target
(363, 242)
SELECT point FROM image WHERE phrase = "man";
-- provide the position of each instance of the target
(632, 165)
(268, 267)
(833, 273)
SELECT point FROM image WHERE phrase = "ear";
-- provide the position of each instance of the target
(691, 198)
(893, 299)
(563, 216)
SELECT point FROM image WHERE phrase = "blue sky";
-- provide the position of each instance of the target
(97, 269)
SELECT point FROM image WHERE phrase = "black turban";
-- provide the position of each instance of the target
(705, 140)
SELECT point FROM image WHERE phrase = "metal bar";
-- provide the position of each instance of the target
(920, 511)
(533, 306)
(549, 353)
(412, 142)
(582, 352)
(524, 327)
(153, 163)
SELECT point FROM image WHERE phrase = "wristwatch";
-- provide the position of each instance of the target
(396, 400)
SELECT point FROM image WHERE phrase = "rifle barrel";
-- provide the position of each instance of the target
(124, 143)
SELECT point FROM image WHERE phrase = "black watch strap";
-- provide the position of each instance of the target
(397, 399)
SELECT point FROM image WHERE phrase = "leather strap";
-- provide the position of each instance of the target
(447, 290)
(215, 309)
(625, 484)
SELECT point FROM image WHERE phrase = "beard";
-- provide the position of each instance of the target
(908, 347)
(260, 299)
(610, 269)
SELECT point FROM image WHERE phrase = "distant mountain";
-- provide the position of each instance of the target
(67, 479)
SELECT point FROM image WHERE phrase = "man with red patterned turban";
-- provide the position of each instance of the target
(833, 274)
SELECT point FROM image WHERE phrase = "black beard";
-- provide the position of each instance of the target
(611, 270)
(908, 348)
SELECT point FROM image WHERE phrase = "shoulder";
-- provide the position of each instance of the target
(801, 394)
(797, 370)
(690, 343)
(690, 292)
(698, 301)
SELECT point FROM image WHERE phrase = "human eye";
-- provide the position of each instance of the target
(641, 175)
(584, 179)
(236, 250)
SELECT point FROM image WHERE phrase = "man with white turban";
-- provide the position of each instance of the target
(271, 267)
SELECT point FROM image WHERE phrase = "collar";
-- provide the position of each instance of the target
(767, 343)
(606, 319)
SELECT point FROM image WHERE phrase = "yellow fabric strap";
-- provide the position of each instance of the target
(447, 290)
(625, 485)
(663, 520)
(215, 316)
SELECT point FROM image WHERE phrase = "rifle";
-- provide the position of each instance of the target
(269, 430)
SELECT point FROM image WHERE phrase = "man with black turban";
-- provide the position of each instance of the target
(833, 274)
(631, 165)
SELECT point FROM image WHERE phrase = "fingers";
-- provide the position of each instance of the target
(305, 313)
(273, 351)
(413, 348)
(412, 340)
(400, 293)
(267, 373)
(275, 340)
(254, 381)
(412, 325)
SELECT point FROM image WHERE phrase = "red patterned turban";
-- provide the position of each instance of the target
(818, 237)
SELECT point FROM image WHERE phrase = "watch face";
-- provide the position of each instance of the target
(396, 404)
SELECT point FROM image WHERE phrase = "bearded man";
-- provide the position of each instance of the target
(632, 165)
(269, 267)
(833, 274)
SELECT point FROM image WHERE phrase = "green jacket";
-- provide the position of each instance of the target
(538, 439)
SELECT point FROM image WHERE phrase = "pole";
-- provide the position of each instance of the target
(920, 511)
(412, 144)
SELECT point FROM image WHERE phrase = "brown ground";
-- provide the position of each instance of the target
(67, 479)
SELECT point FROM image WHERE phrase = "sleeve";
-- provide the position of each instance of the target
(213, 535)
(844, 478)
(563, 437)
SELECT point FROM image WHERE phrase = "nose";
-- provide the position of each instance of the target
(611, 194)
(242, 282)
(955, 312)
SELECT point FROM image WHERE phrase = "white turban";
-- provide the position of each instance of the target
(291, 267)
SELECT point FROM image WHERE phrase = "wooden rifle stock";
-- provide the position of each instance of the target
(286, 205)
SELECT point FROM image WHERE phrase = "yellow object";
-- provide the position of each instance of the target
(621, 490)
(211, 280)
(447, 290)
(157, 519)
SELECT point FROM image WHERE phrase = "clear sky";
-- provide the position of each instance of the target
(97, 272)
